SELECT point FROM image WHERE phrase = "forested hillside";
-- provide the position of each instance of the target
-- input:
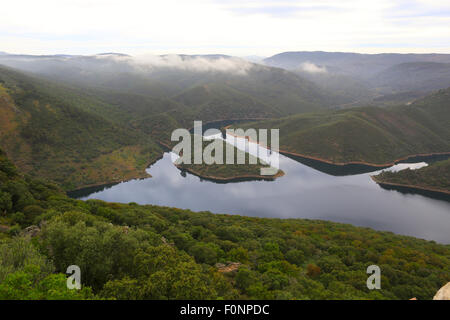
(127, 251)
(371, 134)
(51, 131)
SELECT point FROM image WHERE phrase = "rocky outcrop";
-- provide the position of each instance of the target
(229, 267)
(443, 293)
(31, 231)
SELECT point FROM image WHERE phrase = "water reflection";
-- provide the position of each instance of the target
(302, 193)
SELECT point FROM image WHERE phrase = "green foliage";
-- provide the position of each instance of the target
(128, 251)
(24, 285)
(55, 132)
(17, 254)
(250, 168)
(435, 176)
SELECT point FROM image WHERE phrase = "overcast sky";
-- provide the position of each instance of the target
(236, 27)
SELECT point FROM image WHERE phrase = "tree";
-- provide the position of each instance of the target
(312, 270)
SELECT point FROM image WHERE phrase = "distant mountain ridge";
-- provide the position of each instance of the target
(365, 77)
(363, 65)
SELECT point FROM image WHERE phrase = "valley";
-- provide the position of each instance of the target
(88, 176)
(131, 251)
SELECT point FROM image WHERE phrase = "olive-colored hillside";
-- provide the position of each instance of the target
(53, 132)
(370, 135)
(250, 169)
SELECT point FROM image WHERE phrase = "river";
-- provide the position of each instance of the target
(303, 192)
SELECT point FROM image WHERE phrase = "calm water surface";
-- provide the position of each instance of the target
(302, 193)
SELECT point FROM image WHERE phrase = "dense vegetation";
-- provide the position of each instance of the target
(436, 176)
(370, 134)
(127, 251)
(51, 131)
(250, 168)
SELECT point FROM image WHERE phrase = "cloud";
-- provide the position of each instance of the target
(312, 68)
(235, 27)
(283, 9)
(149, 62)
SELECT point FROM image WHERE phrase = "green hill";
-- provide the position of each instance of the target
(249, 170)
(434, 177)
(371, 134)
(54, 132)
(127, 251)
(216, 102)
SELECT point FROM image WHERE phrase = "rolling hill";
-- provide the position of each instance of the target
(53, 132)
(170, 76)
(370, 135)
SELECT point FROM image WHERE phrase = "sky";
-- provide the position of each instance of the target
(234, 27)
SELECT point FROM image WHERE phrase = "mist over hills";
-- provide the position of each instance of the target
(363, 77)
(357, 64)
(291, 81)
(167, 76)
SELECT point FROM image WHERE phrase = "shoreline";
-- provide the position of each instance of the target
(239, 178)
(280, 173)
(232, 119)
(144, 175)
(410, 186)
(375, 165)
